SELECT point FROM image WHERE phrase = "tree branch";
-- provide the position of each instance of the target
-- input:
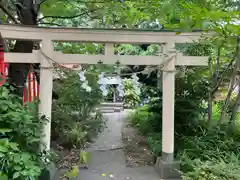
(91, 2)
(98, 2)
(210, 97)
(216, 74)
(8, 13)
(49, 23)
(75, 16)
(231, 85)
(233, 118)
(64, 17)
(223, 74)
(237, 101)
(43, 1)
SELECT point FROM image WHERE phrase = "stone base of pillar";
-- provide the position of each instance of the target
(168, 169)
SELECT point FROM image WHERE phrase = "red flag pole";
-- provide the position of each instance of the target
(2, 65)
(34, 87)
(24, 95)
(30, 84)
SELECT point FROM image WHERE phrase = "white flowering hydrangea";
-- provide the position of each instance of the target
(82, 76)
(84, 81)
(86, 86)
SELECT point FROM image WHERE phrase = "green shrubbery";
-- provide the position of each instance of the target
(217, 169)
(204, 153)
(73, 120)
(131, 98)
(206, 150)
(142, 118)
(20, 133)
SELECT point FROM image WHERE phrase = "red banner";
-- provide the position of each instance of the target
(31, 90)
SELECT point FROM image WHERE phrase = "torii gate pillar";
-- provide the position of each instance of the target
(166, 167)
(45, 92)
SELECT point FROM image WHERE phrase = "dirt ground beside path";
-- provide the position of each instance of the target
(136, 147)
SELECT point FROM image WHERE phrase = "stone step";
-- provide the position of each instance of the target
(110, 109)
(112, 104)
(107, 110)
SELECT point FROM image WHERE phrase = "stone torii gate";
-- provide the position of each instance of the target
(165, 164)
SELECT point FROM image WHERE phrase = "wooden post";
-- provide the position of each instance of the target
(114, 95)
(109, 49)
(45, 92)
(168, 106)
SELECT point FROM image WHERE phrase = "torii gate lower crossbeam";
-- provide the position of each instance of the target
(165, 166)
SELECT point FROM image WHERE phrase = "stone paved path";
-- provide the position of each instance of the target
(107, 156)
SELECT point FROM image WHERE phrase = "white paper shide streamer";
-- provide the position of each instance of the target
(103, 85)
(136, 84)
(120, 87)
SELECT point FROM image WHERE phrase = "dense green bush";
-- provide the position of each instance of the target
(20, 138)
(73, 121)
(204, 153)
(131, 98)
(144, 120)
(190, 92)
(210, 170)
(212, 154)
(216, 109)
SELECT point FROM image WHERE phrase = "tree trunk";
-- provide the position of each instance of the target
(232, 83)
(227, 100)
(210, 96)
(237, 102)
(234, 116)
(27, 14)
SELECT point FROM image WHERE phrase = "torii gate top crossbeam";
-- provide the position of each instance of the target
(96, 35)
(105, 36)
